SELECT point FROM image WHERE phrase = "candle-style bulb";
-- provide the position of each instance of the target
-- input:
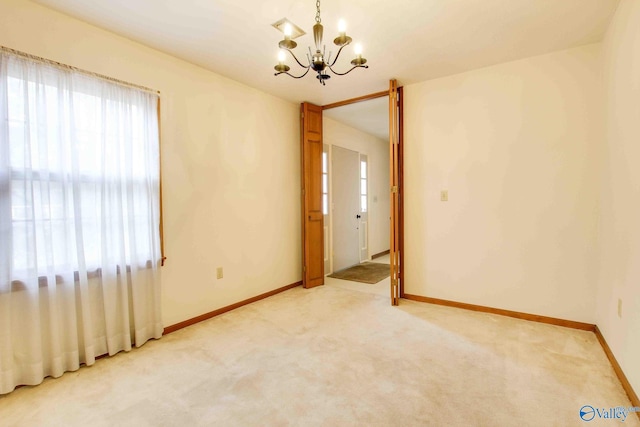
(342, 26)
(358, 49)
(281, 56)
(287, 30)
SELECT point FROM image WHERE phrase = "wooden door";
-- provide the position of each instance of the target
(395, 181)
(312, 216)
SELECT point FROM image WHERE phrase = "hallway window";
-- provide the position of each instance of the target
(325, 184)
(363, 185)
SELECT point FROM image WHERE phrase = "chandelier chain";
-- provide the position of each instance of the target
(318, 20)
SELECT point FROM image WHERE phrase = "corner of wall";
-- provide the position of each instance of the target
(619, 227)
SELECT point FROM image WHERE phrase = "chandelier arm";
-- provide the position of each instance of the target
(291, 75)
(298, 61)
(352, 68)
(337, 55)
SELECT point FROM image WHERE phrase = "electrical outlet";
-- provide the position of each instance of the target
(620, 308)
(444, 196)
(219, 274)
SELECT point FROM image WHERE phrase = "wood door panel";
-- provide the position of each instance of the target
(315, 124)
(315, 270)
(315, 177)
(312, 217)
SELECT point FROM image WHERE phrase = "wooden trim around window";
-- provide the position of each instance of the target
(214, 313)
(516, 314)
(354, 100)
(626, 385)
(163, 258)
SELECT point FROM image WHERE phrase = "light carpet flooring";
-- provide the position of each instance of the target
(335, 356)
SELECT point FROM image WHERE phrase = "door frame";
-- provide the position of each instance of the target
(400, 166)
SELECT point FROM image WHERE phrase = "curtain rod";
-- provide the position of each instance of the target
(78, 70)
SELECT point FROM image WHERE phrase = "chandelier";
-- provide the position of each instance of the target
(316, 61)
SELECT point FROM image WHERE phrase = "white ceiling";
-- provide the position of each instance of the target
(410, 40)
(370, 116)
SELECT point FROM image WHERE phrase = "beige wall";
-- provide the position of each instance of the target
(516, 146)
(230, 162)
(620, 186)
(377, 150)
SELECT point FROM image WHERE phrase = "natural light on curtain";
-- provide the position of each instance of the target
(79, 219)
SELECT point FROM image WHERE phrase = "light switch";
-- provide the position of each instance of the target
(619, 308)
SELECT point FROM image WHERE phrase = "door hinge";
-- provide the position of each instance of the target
(394, 189)
(302, 115)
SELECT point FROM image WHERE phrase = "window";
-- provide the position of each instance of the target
(79, 218)
(79, 171)
(363, 184)
(325, 184)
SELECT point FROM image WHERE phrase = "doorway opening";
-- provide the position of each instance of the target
(356, 139)
(359, 215)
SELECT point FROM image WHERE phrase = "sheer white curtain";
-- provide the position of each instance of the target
(79, 219)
